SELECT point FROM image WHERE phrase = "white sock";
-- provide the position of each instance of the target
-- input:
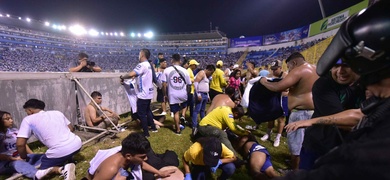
(278, 136)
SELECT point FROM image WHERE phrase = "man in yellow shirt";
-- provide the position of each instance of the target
(214, 123)
(206, 155)
(218, 81)
(192, 65)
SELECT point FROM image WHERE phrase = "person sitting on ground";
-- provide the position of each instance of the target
(259, 159)
(54, 130)
(206, 156)
(95, 118)
(10, 161)
(223, 100)
(114, 163)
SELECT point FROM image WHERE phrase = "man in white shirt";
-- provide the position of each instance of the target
(143, 72)
(53, 129)
(175, 84)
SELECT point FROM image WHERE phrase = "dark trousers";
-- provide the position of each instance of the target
(213, 93)
(190, 103)
(145, 115)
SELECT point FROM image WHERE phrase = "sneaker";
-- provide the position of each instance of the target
(163, 114)
(277, 142)
(172, 115)
(182, 127)
(182, 120)
(154, 131)
(68, 171)
(178, 133)
(265, 137)
(42, 173)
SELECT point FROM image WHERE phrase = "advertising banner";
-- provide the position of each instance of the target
(286, 36)
(335, 20)
(246, 42)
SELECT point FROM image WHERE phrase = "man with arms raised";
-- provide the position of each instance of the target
(299, 81)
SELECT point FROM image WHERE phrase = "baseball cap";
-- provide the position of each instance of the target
(212, 151)
(193, 61)
(220, 62)
(236, 66)
(276, 64)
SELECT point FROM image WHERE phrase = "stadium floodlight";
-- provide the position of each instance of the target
(121, 34)
(1, 15)
(54, 26)
(93, 32)
(8, 15)
(115, 33)
(149, 34)
(63, 27)
(20, 18)
(47, 23)
(110, 33)
(28, 19)
(139, 35)
(106, 33)
(101, 33)
(77, 30)
(132, 34)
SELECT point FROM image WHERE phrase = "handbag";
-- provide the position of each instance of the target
(188, 86)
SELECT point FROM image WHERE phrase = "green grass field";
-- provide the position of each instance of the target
(165, 139)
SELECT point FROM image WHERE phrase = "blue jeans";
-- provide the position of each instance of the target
(145, 115)
(26, 168)
(203, 172)
(52, 162)
(200, 108)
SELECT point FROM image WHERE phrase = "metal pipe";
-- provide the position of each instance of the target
(89, 96)
(322, 9)
(95, 137)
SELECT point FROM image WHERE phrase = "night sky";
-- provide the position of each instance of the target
(234, 17)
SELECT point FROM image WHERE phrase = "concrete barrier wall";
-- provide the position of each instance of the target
(57, 90)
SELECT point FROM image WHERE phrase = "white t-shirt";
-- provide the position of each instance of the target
(131, 92)
(176, 87)
(8, 142)
(51, 128)
(144, 80)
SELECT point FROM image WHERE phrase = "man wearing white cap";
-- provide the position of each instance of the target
(218, 81)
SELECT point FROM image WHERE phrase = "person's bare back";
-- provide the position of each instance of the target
(221, 100)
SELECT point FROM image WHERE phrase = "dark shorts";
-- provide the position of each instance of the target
(160, 95)
(177, 107)
(259, 148)
(52, 162)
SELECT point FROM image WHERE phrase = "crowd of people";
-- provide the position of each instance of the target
(337, 115)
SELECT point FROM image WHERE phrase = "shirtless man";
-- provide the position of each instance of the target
(94, 117)
(299, 81)
(223, 100)
(116, 162)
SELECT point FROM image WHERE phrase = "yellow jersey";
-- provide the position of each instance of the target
(218, 80)
(195, 154)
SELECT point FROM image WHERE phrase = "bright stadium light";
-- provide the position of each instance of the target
(121, 34)
(77, 30)
(1, 15)
(20, 18)
(63, 27)
(101, 33)
(149, 34)
(110, 33)
(139, 34)
(106, 33)
(115, 33)
(54, 26)
(8, 15)
(132, 34)
(28, 19)
(93, 32)
(47, 23)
